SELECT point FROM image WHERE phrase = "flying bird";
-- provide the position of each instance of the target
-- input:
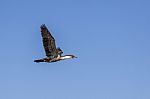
(53, 53)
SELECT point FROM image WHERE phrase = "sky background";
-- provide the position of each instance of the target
(111, 39)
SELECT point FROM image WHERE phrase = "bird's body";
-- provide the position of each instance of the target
(53, 54)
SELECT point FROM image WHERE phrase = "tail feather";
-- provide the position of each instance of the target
(39, 60)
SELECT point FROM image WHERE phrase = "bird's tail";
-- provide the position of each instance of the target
(39, 60)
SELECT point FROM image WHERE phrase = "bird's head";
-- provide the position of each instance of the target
(73, 56)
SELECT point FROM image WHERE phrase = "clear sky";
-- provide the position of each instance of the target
(110, 37)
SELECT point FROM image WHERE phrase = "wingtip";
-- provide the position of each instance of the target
(43, 26)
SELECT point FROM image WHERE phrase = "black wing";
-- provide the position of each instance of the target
(48, 42)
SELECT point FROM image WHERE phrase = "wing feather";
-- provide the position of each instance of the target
(48, 42)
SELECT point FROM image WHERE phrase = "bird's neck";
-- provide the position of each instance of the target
(65, 57)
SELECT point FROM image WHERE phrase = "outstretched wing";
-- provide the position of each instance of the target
(48, 42)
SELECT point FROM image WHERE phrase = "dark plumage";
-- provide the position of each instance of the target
(53, 54)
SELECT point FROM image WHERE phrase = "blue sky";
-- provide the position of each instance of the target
(111, 39)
